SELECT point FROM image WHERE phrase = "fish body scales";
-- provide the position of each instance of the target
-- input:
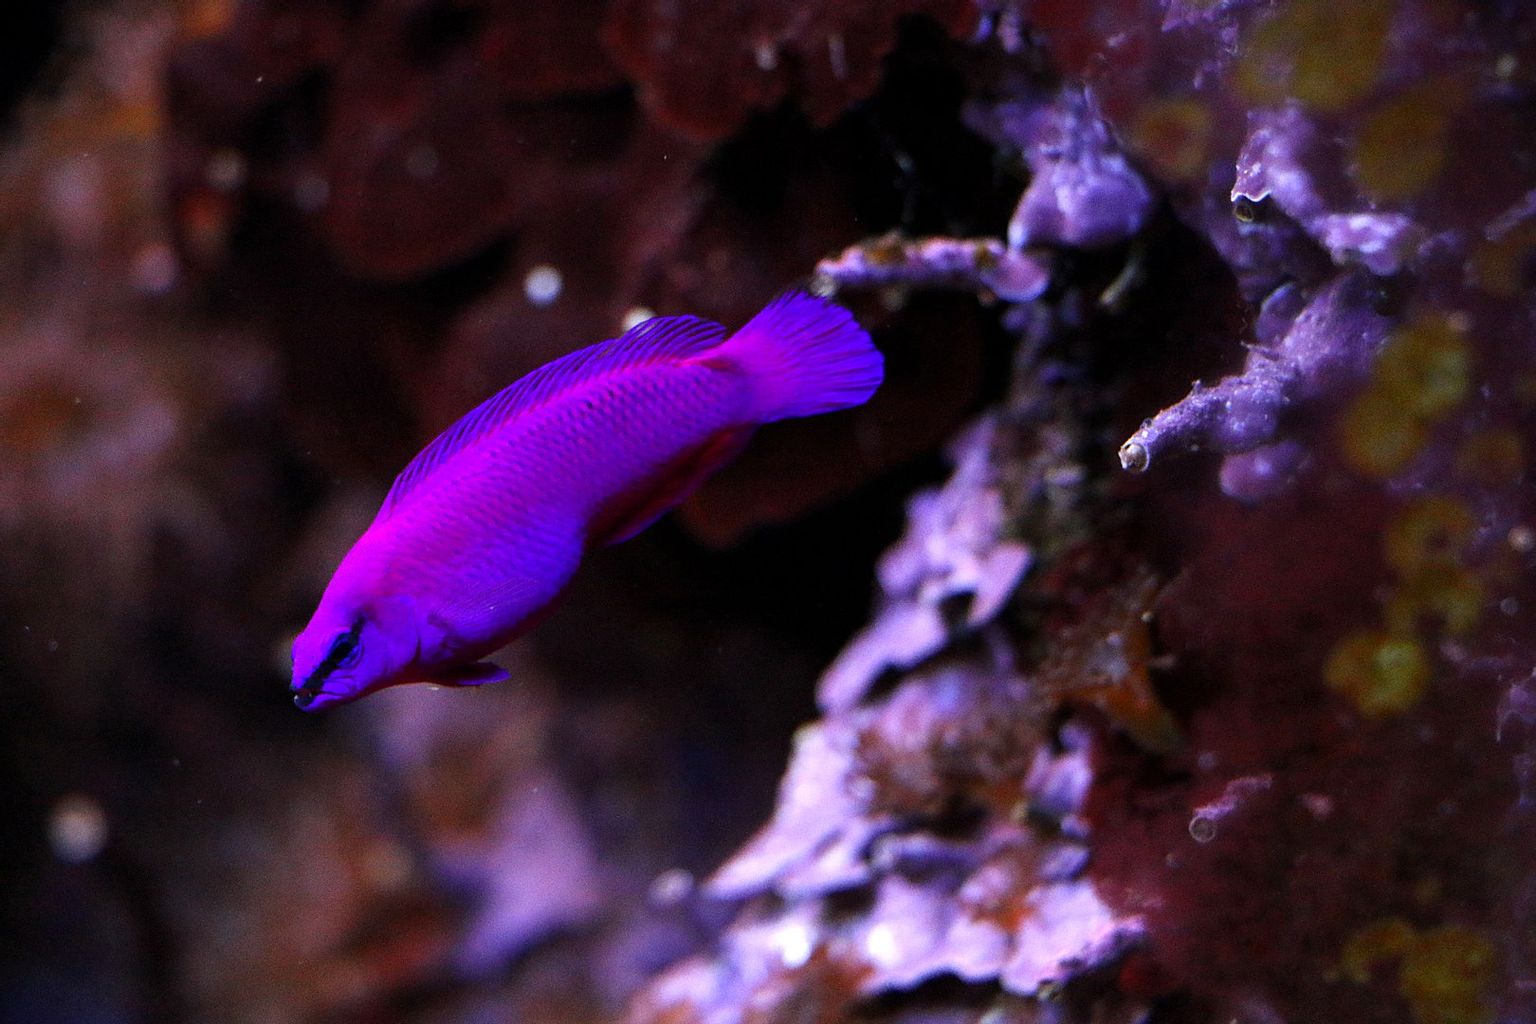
(511, 519)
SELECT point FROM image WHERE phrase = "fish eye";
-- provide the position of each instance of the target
(345, 650)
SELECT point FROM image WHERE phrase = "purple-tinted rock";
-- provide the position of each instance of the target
(1205, 820)
(1330, 344)
(1278, 313)
(959, 728)
(915, 933)
(1070, 932)
(819, 822)
(982, 264)
(1059, 779)
(1383, 243)
(901, 637)
(914, 930)
(1287, 162)
(1262, 473)
(1279, 162)
(1183, 13)
(955, 550)
(1265, 249)
(1517, 717)
(1082, 190)
(920, 855)
(1335, 339)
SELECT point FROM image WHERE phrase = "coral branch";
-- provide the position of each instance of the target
(1082, 190)
(971, 264)
(1330, 343)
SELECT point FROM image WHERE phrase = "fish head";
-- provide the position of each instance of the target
(350, 649)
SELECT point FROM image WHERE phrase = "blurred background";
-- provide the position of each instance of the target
(253, 257)
(1245, 737)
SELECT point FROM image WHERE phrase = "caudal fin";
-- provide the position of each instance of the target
(805, 355)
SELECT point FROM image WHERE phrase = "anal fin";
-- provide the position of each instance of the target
(475, 674)
(632, 511)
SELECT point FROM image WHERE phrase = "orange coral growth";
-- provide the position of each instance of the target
(1174, 136)
(1445, 976)
(1103, 661)
(1373, 945)
(1449, 593)
(1425, 545)
(1426, 364)
(1380, 437)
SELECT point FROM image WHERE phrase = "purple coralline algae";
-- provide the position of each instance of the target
(1082, 191)
(1331, 342)
(984, 264)
(1006, 906)
(1282, 162)
(953, 571)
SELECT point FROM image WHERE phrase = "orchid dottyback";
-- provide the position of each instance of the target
(483, 530)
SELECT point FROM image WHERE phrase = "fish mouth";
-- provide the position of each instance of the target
(305, 696)
(312, 688)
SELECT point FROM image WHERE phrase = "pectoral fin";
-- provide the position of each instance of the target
(477, 674)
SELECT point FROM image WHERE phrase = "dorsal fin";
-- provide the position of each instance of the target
(656, 340)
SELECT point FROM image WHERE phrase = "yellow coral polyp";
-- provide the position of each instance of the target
(1449, 593)
(1445, 976)
(1430, 531)
(1373, 945)
(1424, 371)
(1379, 673)
(1426, 544)
(1426, 365)
(1326, 54)
(1402, 148)
(1380, 436)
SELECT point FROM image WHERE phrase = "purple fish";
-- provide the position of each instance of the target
(482, 531)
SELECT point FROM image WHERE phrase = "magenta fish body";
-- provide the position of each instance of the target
(484, 529)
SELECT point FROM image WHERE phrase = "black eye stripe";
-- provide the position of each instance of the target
(341, 648)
